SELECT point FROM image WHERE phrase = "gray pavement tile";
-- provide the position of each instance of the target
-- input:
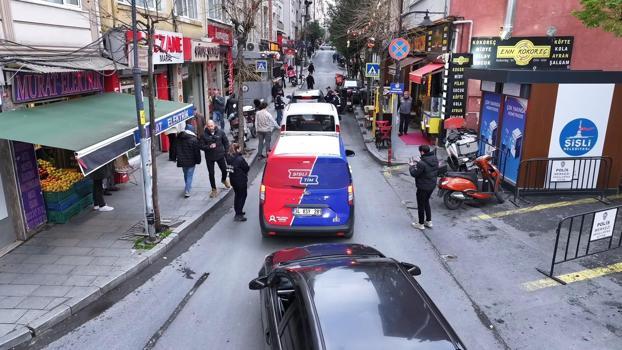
(30, 316)
(79, 280)
(19, 335)
(75, 260)
(42, 259)
(52, 241)
(104, 260)
(128, 261)
(110, 252)
(6, 328)
(56, 269)
(51, 291)
(6, 277)
(11, 315)
(42, 279)
(110, 281)
(50, 318)
(71, 251)
(122, 244)
(38, 303)
(13, 258)
(79, 292)
(25, 249)
(92, 270)
(17, 290)
(10, 302)
(56, 302)
(96, 243)
(19, 268)
(82, 297)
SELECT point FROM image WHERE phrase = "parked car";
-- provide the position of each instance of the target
(306, 188)
(305, 96)
(347, 296)
(304, 118)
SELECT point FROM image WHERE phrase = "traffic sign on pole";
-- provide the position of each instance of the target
(261, 66)
(399, 49)
(396, 88)
(372, 70)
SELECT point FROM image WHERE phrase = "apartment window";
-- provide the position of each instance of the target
(186, 8)
(150, 4)
(215, 9)
(65, 2)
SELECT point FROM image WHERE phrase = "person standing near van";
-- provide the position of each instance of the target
(265, 124)
(279, 106)
(405, 107)
(215, 145)
(310, 81)
(188, 155)
(424, 171)
(238, 173)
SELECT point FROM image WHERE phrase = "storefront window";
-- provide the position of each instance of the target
(186, 8)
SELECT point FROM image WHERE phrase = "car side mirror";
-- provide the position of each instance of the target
(412, 269)
(258, 283)
(350, 153)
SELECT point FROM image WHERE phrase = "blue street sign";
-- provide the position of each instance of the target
(396, 88)
(372, 70)
(399, 48)
(261, 66)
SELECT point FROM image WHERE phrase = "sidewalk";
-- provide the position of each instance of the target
(66, 267)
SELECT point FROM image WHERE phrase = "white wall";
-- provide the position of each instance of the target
(413, 20)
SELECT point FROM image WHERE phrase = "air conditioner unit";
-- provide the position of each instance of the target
(252, 47)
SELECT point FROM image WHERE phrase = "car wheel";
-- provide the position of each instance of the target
(450, 202)
(349, 233)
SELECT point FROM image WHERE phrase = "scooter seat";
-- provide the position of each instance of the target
(471, 176)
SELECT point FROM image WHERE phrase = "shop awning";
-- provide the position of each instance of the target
(97, 128)
(52, 65)
(405, 63)
(431, 68)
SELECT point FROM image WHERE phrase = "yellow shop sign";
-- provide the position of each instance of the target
(524, 51)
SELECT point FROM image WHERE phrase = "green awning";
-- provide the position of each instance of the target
(86, 125)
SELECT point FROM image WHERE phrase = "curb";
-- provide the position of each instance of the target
(25, 334)
(373, 152)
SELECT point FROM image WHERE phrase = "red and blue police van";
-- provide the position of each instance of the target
(307, 188)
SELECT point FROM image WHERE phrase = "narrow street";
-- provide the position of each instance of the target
(223, 313)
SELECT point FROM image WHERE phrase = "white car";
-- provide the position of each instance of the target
(304, 96)
(305, 118)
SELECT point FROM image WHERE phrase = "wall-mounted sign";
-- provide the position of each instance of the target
(203, 52)
(34, 86)
(437, 38)
(261, 66)
(33, 207)
(513, 135)
(219, 35)
(489, 122)
(419, 43)
(522, 52)
(169, 47)
(456, 94)
(274, 46)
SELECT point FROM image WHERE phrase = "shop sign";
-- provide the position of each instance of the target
(457, 85)
(578, 137)
(35, 86)
(604, 222)
(203, 52)
(562, 171)
(274, 47)
(168, 122)
(437, 38)
(514, 114)
(27, 173)
(264, 45)
(522, 52)
(419, 43)
(169, 47)
(219, 35)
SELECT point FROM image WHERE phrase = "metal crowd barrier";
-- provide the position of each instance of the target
(586, 234)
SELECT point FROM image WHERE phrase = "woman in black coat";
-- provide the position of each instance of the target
(238, 174)
(188, 155)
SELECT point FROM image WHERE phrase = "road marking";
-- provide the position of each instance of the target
(573, 277)
(540, 207)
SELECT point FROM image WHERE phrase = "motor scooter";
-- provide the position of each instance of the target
(234, 125)
(461, 145)
(249, 114)
(480, 185)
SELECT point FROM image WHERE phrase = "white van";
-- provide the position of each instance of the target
(304, 118)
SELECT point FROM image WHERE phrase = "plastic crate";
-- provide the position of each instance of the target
(86, 201)
(58, 196)
(62, 204)
(83, 187)
(61, 217)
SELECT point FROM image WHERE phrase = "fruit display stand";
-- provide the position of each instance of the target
(65, 192)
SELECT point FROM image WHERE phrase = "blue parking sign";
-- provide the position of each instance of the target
(396, 88)
(261, 66)
(372, 70)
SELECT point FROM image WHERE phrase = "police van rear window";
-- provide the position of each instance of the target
(295, 172)
(310, 122)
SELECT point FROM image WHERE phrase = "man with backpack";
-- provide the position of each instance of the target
(424, 171)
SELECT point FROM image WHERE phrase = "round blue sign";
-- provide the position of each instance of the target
(578, 137)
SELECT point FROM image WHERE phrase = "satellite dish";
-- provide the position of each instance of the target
(250, 46)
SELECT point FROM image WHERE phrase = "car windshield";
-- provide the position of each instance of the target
(310, 122)
(370, 304)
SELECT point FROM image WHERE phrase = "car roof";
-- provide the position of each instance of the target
(309, 144)
(314, 92)
(311, 108)
(370, 302)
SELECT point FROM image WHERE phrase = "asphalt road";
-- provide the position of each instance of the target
(223, 313)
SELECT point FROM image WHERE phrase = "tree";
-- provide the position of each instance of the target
(315, 32)
(606, 14)
(242, 14)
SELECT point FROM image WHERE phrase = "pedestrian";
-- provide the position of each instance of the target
(238, 173)
(218, 109)
(424, 171)
(188, 155)
(215, 145)
(334, 57)
(275, 89)
(265, 124)
(279, 106)
(231, 101)
(405, 107)
(171, 134)
(311, 68)
(310, 81)
(98, 177)
(257, 103)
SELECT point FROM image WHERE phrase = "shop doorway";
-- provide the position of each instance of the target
(7, 236)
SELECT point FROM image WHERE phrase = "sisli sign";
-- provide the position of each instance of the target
(29, 87)
(169, 47)
(204, 52)
(522, 52)
(578, 137)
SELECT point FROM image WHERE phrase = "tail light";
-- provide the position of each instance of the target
(262, 193)
(282, 127)
(337, 128)
(350, 195)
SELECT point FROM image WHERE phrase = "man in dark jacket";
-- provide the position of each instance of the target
(275, 90)
(311, 68)
(310, 81)
(98, 177)
(188, 155)
(218, 109)
(238, 173)
(424, 171)
(232, 100)
(215, 144)
(279, 106)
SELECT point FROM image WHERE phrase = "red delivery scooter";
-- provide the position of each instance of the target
(479, 185)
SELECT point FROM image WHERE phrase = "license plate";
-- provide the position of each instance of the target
(308, 211)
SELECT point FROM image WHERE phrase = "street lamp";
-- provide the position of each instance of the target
(426, 19)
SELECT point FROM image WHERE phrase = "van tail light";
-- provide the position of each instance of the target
(350, 195)
(337, 128)
(282, 127)
(262, 193)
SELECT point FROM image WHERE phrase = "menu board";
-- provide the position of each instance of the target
(534, 53)
(29, 186)
(438, 38)
(457, 85)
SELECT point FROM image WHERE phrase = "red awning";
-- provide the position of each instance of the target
(417, 76)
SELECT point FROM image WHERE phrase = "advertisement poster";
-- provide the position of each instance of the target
(29, 185)
(457, 85)
(488, 130)
(514, 113)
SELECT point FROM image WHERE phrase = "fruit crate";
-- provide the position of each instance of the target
(62, 204)
(61, 217)
(86, 200)
(83, 187)
(58, 196)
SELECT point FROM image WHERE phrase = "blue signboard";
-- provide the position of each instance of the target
(372, 70)
(396, 88)
(489, 125)
(514, 113)
(578, 137)
(261, 66)
(167, 122)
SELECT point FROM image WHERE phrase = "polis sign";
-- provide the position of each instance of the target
(204, 52)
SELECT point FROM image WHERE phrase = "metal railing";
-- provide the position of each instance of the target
(586, 234)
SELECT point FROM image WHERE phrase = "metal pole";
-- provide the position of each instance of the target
(396, 79)
(145, 150)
